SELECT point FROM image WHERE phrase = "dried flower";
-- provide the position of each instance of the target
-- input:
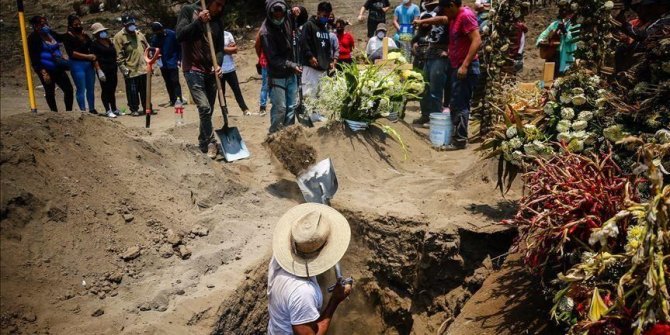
(567, 113)
(511, 132)
(585, 116)
(579, 125)
(578, 100)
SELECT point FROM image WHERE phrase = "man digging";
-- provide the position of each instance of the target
(308, 240)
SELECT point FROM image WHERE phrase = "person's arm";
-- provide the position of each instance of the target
(120, 54)
(275, 59)
(433, 21)
(34, 50)
(230, 49)
(305, 43)
(321, 325)
(257, 44)
(475, 43)
(395, 19)
(387, 6)
(362, 11)
(544, 36)
(187, 28)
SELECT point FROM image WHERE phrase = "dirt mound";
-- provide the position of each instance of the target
(289, 146)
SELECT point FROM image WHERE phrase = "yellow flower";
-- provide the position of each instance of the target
(598, 308)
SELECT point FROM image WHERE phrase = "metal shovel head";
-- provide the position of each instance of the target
(318, 183)
(232, 145)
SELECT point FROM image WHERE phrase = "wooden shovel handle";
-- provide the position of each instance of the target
(219, 88)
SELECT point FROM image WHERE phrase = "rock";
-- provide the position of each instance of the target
(184, 252)
(180, 292)
(68, 295)
(109, 212)
(166, 250)
(113, 294)
(115, 277)
(98, 312)
(199, 230)
(144, 307)
(210, 286)
(128, 217)
(160, 302)
(30, 317)
(131, 253)
(102, 295)
(172, 237)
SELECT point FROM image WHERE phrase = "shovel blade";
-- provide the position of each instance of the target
(232, 144)
(318, 183)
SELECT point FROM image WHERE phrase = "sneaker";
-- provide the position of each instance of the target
(118, 112)
(421, 120)
(101, 76)
(93, 111)
(246, 113)
(262, 112)
(212, 150)
(110, 114)
(455, 146)
(135, 113)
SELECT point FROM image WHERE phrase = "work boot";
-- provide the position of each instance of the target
(421, 120)
(212, 150)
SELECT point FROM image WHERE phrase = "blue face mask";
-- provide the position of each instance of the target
(103, 34)
(131, 28)
(323, 20)
(278, 22)
(45, 30)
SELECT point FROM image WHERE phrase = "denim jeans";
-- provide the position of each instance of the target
(203, 91)
(438, 72)
(461, 98)
(83, 75)
(265, 87)
(283, 94)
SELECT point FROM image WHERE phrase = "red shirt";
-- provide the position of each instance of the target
(463, 24)
(346, 45)
(262, 60)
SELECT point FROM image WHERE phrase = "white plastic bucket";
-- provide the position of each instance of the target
(440, 129)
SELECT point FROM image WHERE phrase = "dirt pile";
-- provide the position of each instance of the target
(289, 147)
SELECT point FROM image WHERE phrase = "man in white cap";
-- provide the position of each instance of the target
(308, 240)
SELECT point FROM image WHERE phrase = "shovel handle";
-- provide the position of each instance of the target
(219, 88)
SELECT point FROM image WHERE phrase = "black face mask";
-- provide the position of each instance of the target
(340, 30)
(77, 29)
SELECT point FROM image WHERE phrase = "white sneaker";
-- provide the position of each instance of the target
(119, 112)
(212, 150)
(110, 114)
(101, 76)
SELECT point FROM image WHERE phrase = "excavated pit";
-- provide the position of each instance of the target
(408, 278)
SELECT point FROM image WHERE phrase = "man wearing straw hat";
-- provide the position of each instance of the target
(308, 240)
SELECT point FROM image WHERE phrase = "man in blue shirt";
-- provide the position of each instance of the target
(403, 17)
(166, 41)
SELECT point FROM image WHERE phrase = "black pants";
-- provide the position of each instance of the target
(136, 92)
(372, 27)
(108, 94)
(171, 78)
(60, 78)
(231, 79)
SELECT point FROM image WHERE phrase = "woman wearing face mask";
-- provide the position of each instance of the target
(103, 49)
(78, 47)
(48, 62)
(346, 42)
(375, 44)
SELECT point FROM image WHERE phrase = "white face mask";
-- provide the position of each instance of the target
(131, 28)
(404, 2)
(381, 35)
(104, 34)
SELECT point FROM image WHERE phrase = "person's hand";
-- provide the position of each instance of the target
(417, 22)
(203, 16)
(45, 76)
(218, 71)
(92, 58)
(462, 72)
(341, 292)
(332, 65)
(296, 11)
(297, 70)
(179, 63)
(360, 18)
(313, 62)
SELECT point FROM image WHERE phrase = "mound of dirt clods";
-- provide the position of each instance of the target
(289, 146)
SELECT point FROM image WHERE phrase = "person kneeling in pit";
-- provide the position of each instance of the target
(308, 240)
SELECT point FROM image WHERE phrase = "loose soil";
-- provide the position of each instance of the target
(107, 227)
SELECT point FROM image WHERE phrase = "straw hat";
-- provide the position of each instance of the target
(381, 27)
(309, 239)
(97, 27)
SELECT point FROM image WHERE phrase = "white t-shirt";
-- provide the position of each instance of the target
(292, 300)
(228, 64)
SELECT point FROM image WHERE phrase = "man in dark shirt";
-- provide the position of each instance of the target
(166, 41)
(197, 64)
(376, 14)
(317, 55)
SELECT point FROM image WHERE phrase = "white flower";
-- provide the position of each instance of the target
(585, 116)
(574, 6)
(565, 98)
(576, 145)
(567, 113)
(602, 92)
(581, 134)
(600, 235)
(515, 143)
(550, 107)
(608, 5)
(564, 137)
(600, 102)
(594, 80)
(563, 126)
(517, 156)
(579, 125)
(577, 90)
(504, 146)
(578, 100)
(530, 149)
(511, 132)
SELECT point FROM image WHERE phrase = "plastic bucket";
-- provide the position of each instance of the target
(440, 129)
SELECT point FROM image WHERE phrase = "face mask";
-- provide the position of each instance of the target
(323, 20)
(381, 35)
(77, 29)
(278, 22)
(131, 28)
(340, 30)
(45, 30)
(103, 34)
(404, 2)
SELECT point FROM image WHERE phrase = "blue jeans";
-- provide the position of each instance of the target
(265, 87)
(438, 76)
(461, 98)
(83, 76)
(203, 91)
(283, 94)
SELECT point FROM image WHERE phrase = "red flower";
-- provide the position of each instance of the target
(659, 329)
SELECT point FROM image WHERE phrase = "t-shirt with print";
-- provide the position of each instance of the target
(459, 42)
(437, 39)
(228, 64)
(406, 16)
(375, 7)
(292, 300)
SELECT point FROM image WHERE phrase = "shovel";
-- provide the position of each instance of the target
(151, 55)
(300, 113)
(232, 145)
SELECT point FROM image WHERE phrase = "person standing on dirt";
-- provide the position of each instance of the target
(403, 19)
(276, 35)
(316, 50)
(346, 42)
(262, 69)
(104, 50)
(560, 30)
(130, 45)
(197, 63)
(82, 63)
(229, 75)
(377, 10)
(48, 62)
(308, 240)
(166, 41)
